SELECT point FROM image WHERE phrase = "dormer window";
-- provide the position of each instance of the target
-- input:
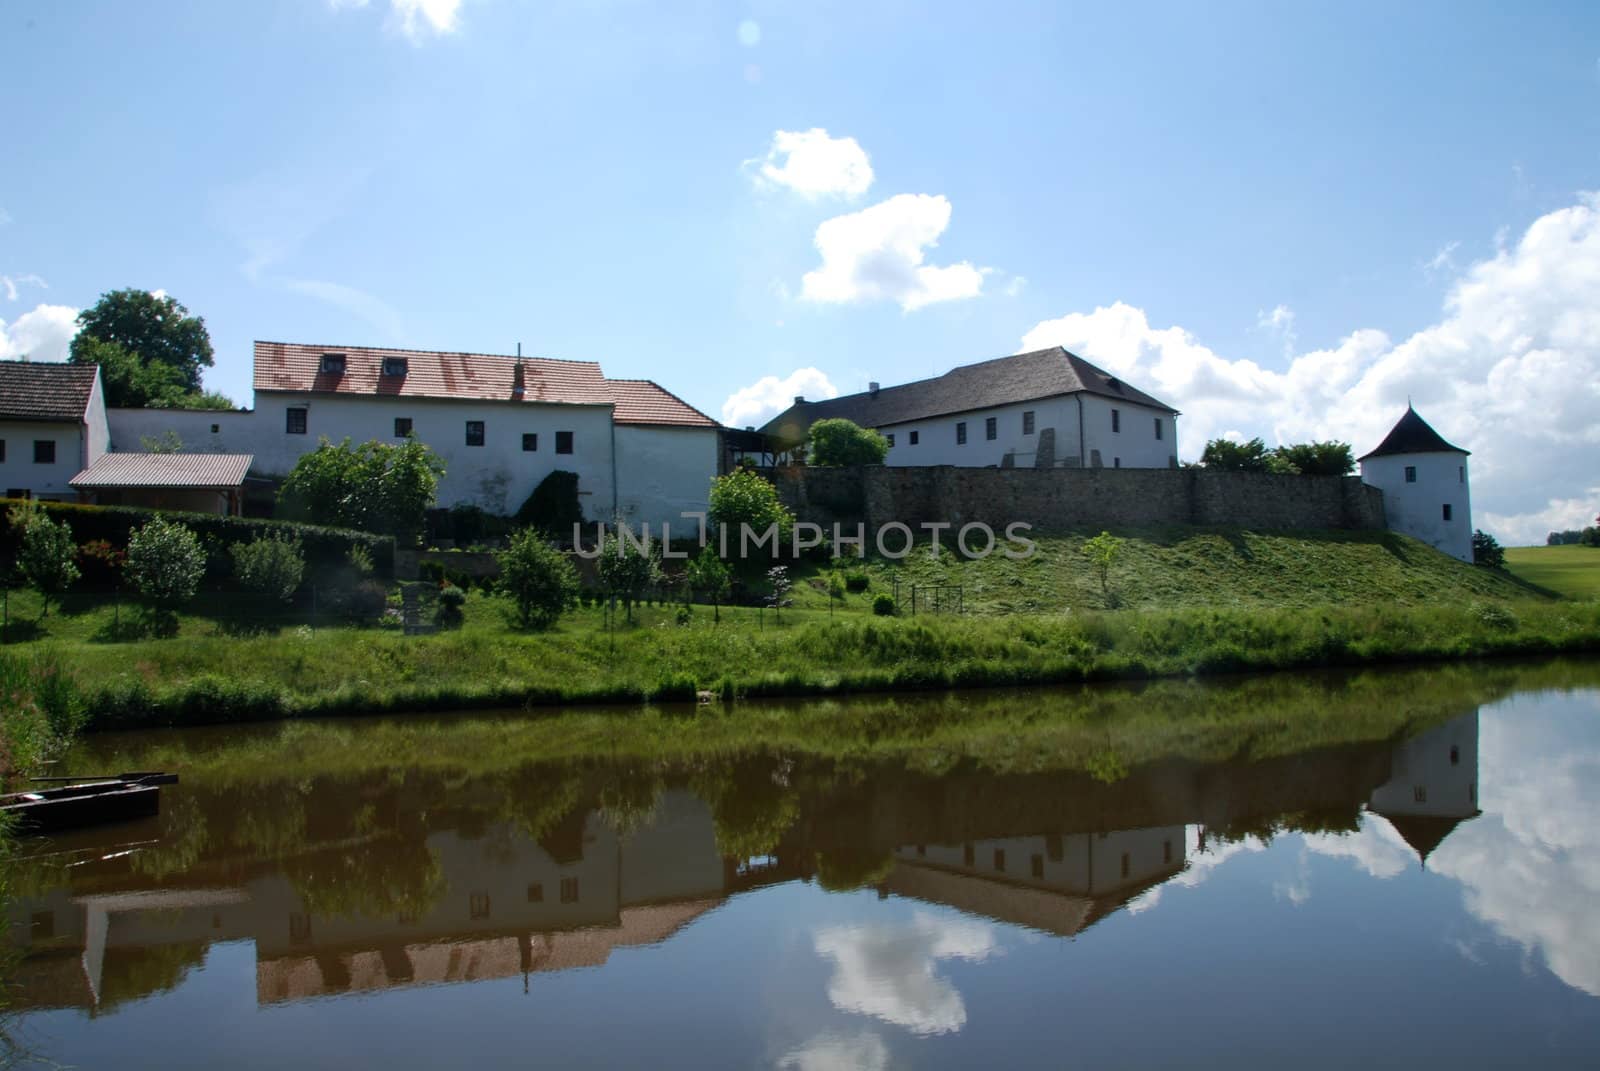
(394, 366)
(333, 364)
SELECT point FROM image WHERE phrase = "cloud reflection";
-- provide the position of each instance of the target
(889, 971)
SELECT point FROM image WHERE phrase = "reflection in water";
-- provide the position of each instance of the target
(891, 972)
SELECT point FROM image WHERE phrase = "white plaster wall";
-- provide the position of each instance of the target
(663, 472)
(1417, 509)
(19, 472)
(1135, 444)
(234, 435)
(1443, 763)
(97, 434)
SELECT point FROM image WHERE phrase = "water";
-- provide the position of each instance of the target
(1430, 900)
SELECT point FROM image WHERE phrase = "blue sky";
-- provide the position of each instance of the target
(1283, 219)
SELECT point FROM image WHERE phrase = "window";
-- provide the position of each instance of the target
(474, 433)
(1166, 851)
(1455, 755)
(2, 449)
(969, 859)
(1461, 474)
(1411, 474)
(1038, 865)
(215, 428)
(1116, 462)
(913, 436)
(1116, 420)
(44, 451)
(922, 850)
(890, 438)
(1447, 511)
(569, 890)
(333, 364)
(478, 905)
(1127, 864)
(990, 428)
(1158, 429)
(394, 366)
(1419, 794)
(299, 928)
(294, 420)
(402, 427)
(530, 441)
(1027, 422)
(961, 433)
(563, 442)
(1000, 860)
(536, 892)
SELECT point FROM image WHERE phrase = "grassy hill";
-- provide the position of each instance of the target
(1194, 567)
(1572, 571)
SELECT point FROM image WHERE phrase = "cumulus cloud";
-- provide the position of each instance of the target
(769, 396)
(1510, 371)
(1198, 865)
(44, 334)
(890, 971)
(814, 165)
(416, 19)
(877, 255)
(831, 1052)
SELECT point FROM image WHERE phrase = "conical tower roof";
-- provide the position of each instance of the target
(1425, 832)
(1413, 435)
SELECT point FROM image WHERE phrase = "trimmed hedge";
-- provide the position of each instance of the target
(325, 548)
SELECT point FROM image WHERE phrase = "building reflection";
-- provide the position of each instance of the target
(1433, 786)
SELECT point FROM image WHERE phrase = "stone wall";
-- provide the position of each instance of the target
(1061, 499)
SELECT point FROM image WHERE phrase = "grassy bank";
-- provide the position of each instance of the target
(1572, 571)
(212, 675)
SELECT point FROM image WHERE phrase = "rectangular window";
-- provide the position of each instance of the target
(536, 892)
(1158, 429)
(914, 438)
(44, 451)
(299, 928)
(1000, 860)
(563, 442)
(1461, 473)
(1166, 851)
(294, 420)
(569, 890)
(961, 433)
(1116, 420)
(474, 433)
(1447, 511)
(1127, 864)
(215, 428)
(990, 428)
(969, 858)
(1038, 865)
(1419, 794)
(1027, 422)
(530, 441)
(1411, 474)
(394, 366)
(478, 905)
(890, 437)
(402, 427)
(2, 449)
(1116, 462)
(333, 364)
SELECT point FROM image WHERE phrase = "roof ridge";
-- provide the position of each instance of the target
(343, 347)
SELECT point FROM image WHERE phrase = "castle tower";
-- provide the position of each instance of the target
(1433, 784)
(1424, 485)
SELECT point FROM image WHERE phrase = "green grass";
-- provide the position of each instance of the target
(1572, 571)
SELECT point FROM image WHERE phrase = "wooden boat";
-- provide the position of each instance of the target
(49, 810)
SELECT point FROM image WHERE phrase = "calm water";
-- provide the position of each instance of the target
(1429, 901)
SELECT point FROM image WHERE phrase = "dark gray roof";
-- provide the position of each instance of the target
(1413, 435)
(1023, 377)
(45, 390)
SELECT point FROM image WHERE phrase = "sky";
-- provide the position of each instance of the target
(1284, 220)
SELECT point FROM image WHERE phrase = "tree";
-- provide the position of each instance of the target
(165, 562)
(1228, 456)
(625, 571)
(745, 498)
(1487, 551)
(270, 564)
(377, 487)
(779, 583)
(539, 579)
(47, 556)
(1102, 553)
(709, 575)
(553, 507)
(149, 348)
(837, 441)
(1317, 458)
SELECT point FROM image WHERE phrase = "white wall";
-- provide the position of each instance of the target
(19, 472)
(1440, 766)
(1085, 863)
(1417, 509)
(234, 435)
(1135, 445)
(97, 434)
(663, 472)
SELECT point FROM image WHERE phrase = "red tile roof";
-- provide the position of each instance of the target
(199, 471)
(289, 366)
(40, 390)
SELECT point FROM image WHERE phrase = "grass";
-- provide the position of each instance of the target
(1572, 571)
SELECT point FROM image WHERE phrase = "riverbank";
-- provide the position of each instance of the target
(320, 672)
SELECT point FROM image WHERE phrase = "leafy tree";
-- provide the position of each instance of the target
(1317, 458)
(1590, 537)
(1102, 553)
(47, 556)
(553, 507)
(1486, 550)
(1228, 456)
(539, 579)
(779, 584)
(149, 348)
(626, 572)
(1570, 537)
(746, 498)
(165, 562)
(270, 564)
(837, 441)
(377, 487)
(709, 575)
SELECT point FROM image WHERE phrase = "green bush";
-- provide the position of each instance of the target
(165, 562)
(836, 441)
(270, 564)
(451, 609)
(883, 604)
(375, 487)
(857, 581)
(539, 579)
(47, 556)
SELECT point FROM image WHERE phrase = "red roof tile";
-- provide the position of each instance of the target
(39, 390)
(642, 401)
(289, 366)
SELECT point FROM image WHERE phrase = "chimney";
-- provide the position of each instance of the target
(799, 399)
(519, 383)
(872, 388)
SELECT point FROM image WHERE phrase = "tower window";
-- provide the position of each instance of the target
(1447, 511)
(1411, 474)
(474, 433)
(1116, 420)
(990, 428)
(1461, 474)
(1027, 422)
(961, 433)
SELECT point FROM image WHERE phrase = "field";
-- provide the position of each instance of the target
(1570, 570)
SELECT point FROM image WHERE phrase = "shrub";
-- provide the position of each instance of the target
(745, 498)
(857, 581)
(1487, 551)
(1229, 456)
(553, 507)
(1102, 553)
(165, 562)
(539, 579)
(837, 441)
(684, 615)
(452, 604)
(709, 575)
(883, 604)
(1316, 459)
(626, 572)
(376, 487)
(47, 557)
(270, 564)
(101, 563)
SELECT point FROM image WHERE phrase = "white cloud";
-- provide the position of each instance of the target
(830, 1052)
(1198, 865)
(43, 334)
(416, 19)
(1511, 371)
(11, 283)
(889, 971)
(1279, 322)
(877, 255)
(814, 165)
(769, 396)
(1443, 260)
(1376, 847)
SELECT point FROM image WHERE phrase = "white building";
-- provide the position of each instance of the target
(1033, 410)
(1433, 784)
(52, 427)
(1426, 492)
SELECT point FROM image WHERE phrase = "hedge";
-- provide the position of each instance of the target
(325, 548)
